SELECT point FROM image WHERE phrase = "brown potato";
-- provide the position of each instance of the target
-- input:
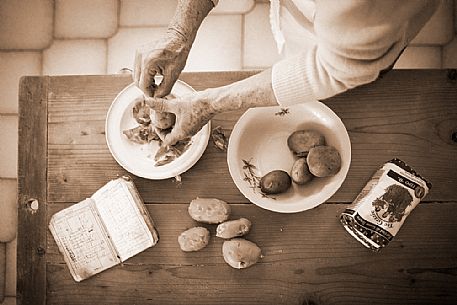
(301, 141)
(209, 210)
(233, 228)
(324, 161)
(193, 239)
(275, 182)
(300, 172)
(240, 253)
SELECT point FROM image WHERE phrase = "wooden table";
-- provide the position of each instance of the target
(308, 257)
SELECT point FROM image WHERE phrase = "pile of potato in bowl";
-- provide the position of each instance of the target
(291, 159)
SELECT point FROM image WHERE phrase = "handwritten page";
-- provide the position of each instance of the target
(122, 219)
(81, 237)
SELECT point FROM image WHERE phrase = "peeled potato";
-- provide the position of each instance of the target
(324, 161)
(301, 141)
(300, 173)
(164, 120)
(209, 210)
(193, 239)
(233, 228)
(275, 182)
(240, 253)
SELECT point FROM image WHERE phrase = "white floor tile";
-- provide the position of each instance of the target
(122, 46)
(85, 18)
(80, 56)
(217, 46)
(450, 55)
(11, 272)
(8, 208)
(13, 65)
(420, 58)
(25, 24)
(259, 46)
(439, 29)
(8, 149)
(146, 12)
(233, 7)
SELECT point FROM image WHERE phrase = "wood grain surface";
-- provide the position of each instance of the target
(32, 225)
(410, 115)
(308, 257)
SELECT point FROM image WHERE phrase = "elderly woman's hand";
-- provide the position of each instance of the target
(166, 57)
(192, 112)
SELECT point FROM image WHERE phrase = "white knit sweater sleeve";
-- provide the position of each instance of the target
(355, 41)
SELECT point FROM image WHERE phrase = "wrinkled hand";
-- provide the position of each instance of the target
(166, 57)
(192, 112)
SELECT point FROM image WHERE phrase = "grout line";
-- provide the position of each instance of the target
(8, 114)
(242, 43)
(54, 19)
(118, 20)
(106, 55)
(7, 178)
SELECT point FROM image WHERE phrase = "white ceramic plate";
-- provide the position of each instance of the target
(138, 159)
(258, 145)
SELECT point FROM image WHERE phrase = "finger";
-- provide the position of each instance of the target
(147, 79)
(172, 138)
(166, 85)
(137, 69)
(160, 104)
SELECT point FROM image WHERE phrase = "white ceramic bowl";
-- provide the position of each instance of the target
(258, 145)
(138, 159)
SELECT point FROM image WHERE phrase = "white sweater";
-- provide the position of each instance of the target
(353, 42)
(348, 43)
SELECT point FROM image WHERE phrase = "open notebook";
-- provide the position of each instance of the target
(103, 230)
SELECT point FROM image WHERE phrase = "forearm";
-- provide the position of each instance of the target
(187, 19)
(254, 91)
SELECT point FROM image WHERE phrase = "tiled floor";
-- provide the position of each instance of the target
(40, 37)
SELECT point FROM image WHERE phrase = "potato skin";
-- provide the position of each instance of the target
(275, 182)
(301, 141)
(300, 173)
(194, 239)
(209, 210)
(233, 228)
(324, 161)
(240, 253)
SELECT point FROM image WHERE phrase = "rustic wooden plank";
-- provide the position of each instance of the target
(308, 259)
(409, 114)
(2, 270)
(406, 114)
(80, 162)
(32, 153)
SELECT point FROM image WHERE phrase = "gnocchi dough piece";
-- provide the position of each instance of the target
(209, 210)
(233, 228)
(193, 239)
(324, 161)
(240, 253)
